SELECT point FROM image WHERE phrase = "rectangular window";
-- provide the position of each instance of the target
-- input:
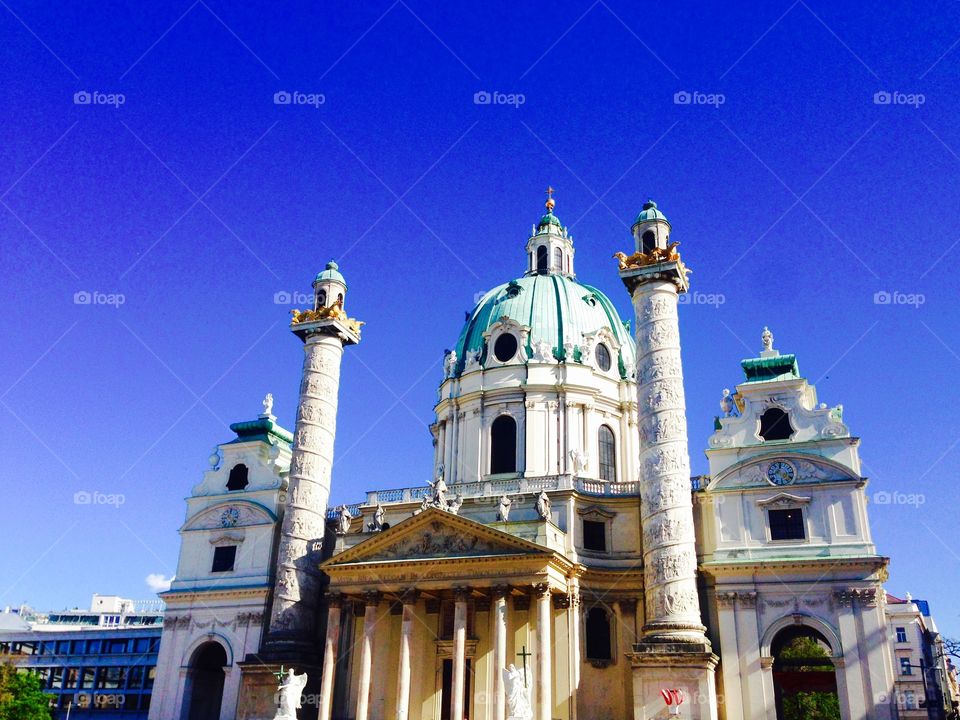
(151, 676)
(594, 536)
(135, 681)
(70, 679)
(115, 646)
(93, 647)
(87, 682)
(786, 524)
(901, 634)
(905, 668)
(63, 647)
(141, 645)
(56, 678)
(223, 558)
(111, 678)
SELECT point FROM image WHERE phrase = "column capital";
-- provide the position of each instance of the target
(335, 600)
(372, 597)
(627, 605)
(409, 596)
(500, 591)
(541, 590)
(561, 602)
(462, 593)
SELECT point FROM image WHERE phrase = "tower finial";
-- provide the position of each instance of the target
(551, 203)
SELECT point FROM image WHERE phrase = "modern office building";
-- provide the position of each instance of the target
(94, 663)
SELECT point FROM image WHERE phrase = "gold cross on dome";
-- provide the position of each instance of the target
(550, 201)
(550, 192)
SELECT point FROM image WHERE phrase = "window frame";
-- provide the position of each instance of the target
(600, 662)
(491, 467)
(802, 524)
(220, 550)
(612, 446)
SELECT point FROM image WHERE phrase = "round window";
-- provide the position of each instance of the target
(603, 357)
(505, 348)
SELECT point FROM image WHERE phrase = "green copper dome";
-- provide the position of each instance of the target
(650, 212)
(332, 272)
(549, 219)
(557, 309)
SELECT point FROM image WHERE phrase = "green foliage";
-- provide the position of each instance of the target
(811, 706)
(21, 696)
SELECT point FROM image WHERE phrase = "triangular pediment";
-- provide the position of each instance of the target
(435, 534)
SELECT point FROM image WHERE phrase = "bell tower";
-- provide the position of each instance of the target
(550, 247)
(673, 651)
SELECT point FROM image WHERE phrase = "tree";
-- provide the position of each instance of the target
(21, 696)
(951, 646)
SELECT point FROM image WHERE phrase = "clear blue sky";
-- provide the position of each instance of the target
(198, 199)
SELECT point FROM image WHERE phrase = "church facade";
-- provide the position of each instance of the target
(561, 563)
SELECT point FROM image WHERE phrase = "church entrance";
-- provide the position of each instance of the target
(446, 696)
(804, 677)
(204, 690)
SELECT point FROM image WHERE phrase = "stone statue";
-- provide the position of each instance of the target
(424, 504)
(767, 338)
(727, 404)
(543, 505)
(543, 352)
(289, 693)
(579, 459)
(268, 405)
(503, 512)
(377, 524)
(473, 361)
(438, 490)
(449, 362)
(517, 695)
(344, 518)
(455, 504)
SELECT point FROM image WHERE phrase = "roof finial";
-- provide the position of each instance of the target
(550, 201)
(767, 338)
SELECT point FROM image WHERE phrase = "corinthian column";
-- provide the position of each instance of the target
(296, 594)
(674, 651)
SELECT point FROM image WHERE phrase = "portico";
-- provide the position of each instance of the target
(444, 593)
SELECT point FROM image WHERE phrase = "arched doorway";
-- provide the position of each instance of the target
(205, 682)
(804, 676)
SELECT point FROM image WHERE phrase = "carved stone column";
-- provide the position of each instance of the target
(544, 678)
(458, 688)
(673, 636)
(329, 657)
(409, 600)
(298, 582)
(498, 612)
(372, 603)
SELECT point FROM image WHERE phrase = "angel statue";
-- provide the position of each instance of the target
(290, 692)
(454, 505)
(727, 404)
(543, 505)
(518, 695)
(503, 511)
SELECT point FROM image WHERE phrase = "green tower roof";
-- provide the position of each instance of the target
(331, 272)
(649, 213)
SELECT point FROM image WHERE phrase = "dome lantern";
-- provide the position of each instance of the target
(550, 247)
(651, 229)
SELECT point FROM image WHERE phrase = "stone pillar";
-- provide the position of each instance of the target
(457, 689)
(298, 584)
(673, 646)
(372, 603)
(730, 656)
(330, 645)
(544, 677)
(499, 615)
(409, 600)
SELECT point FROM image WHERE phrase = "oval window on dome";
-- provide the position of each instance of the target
(505, 347)
(603, 357)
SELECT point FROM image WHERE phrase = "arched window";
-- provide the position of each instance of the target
(503, 445)
(542, 259)
(775, 425)
(321, 298)
(598, 635)
(558, 259)
(238, 477)
(340, 300)
(608, 455)
(648, 241)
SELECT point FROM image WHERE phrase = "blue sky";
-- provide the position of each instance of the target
(798, 193)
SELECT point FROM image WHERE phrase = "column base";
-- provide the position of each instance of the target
(685, 666)
(258, 689)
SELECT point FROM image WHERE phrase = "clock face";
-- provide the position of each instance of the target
(780, 473)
